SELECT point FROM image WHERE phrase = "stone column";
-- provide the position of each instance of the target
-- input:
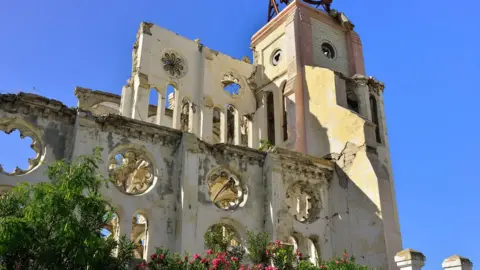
(456, 262)
(252, 143)
(223, 126)
(177, 110)
(237, 133)
(363, 94)
(141, 94)
(194, 119)
(410, 259)
(206, 123)
(126, 101)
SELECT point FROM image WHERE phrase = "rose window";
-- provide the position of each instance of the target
(131, 171)
(301, 202)
(174, 64)
(225, 190)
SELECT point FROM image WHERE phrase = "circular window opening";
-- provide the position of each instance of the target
(328, 50)
(276, 57)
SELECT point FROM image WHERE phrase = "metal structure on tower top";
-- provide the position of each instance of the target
(274, 6)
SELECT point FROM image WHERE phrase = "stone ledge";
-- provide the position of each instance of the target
(32, 104)
(132, 128)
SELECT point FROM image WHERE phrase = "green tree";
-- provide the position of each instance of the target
(57, 224)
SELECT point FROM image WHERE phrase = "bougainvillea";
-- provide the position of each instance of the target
(282, 257)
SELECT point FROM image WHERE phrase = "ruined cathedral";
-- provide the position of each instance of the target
(292, 143)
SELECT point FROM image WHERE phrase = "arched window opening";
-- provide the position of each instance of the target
(232, 88)
(12, 140)
(110, 229)
(285, 121)
(139, 235)
(169, 105)
(244, 131)
(184, 115)
(352, 100)
(216, 125)
(221, 237)
(153, 102)
(270, 118)
(170, 97)
(230, 124)
(312, 252)
(292, 241)
(374, 110)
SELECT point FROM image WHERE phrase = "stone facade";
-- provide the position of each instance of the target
(189, 160)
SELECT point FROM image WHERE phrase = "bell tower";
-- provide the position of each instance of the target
(314, 98)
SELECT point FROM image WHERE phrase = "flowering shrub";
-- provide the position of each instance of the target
(281, 255)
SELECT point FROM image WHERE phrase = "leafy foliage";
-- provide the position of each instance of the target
(265, 145)
(257, 246)
(57, 224)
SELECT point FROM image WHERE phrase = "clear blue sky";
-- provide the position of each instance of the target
(427, 53)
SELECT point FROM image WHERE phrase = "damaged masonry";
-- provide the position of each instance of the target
(190, 160)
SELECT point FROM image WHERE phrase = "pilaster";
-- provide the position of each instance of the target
(141, 96)
(188, 185)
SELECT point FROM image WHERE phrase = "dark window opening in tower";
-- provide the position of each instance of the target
(216, 125)
(328, 50)
(277, 56)
(153, 104)
(230, 124)
(352, 100)
(374, 110)
(285, 123)
(270, 118)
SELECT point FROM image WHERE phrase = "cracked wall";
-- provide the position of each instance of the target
(364, 179)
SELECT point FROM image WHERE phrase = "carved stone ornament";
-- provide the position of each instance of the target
(174, 64)
(233, 85)
(131, 171)
(301, 202)
(225, 190)
(8, 126)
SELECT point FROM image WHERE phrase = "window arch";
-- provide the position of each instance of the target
(231, 124)
(312, 251)
(270, 118)
(139, 235)
(216, 125)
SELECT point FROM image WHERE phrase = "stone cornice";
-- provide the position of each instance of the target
(310, 166)
(374, 85)
(134, 129)
(253, 156)
(31, 104)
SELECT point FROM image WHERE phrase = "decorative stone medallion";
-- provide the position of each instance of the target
(174, 64)
(232, 84)
(225, 190)
(301, 202)
(131, 171)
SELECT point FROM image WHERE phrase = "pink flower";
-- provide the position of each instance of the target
(154, 256)
(209, 251)
(196, 256)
